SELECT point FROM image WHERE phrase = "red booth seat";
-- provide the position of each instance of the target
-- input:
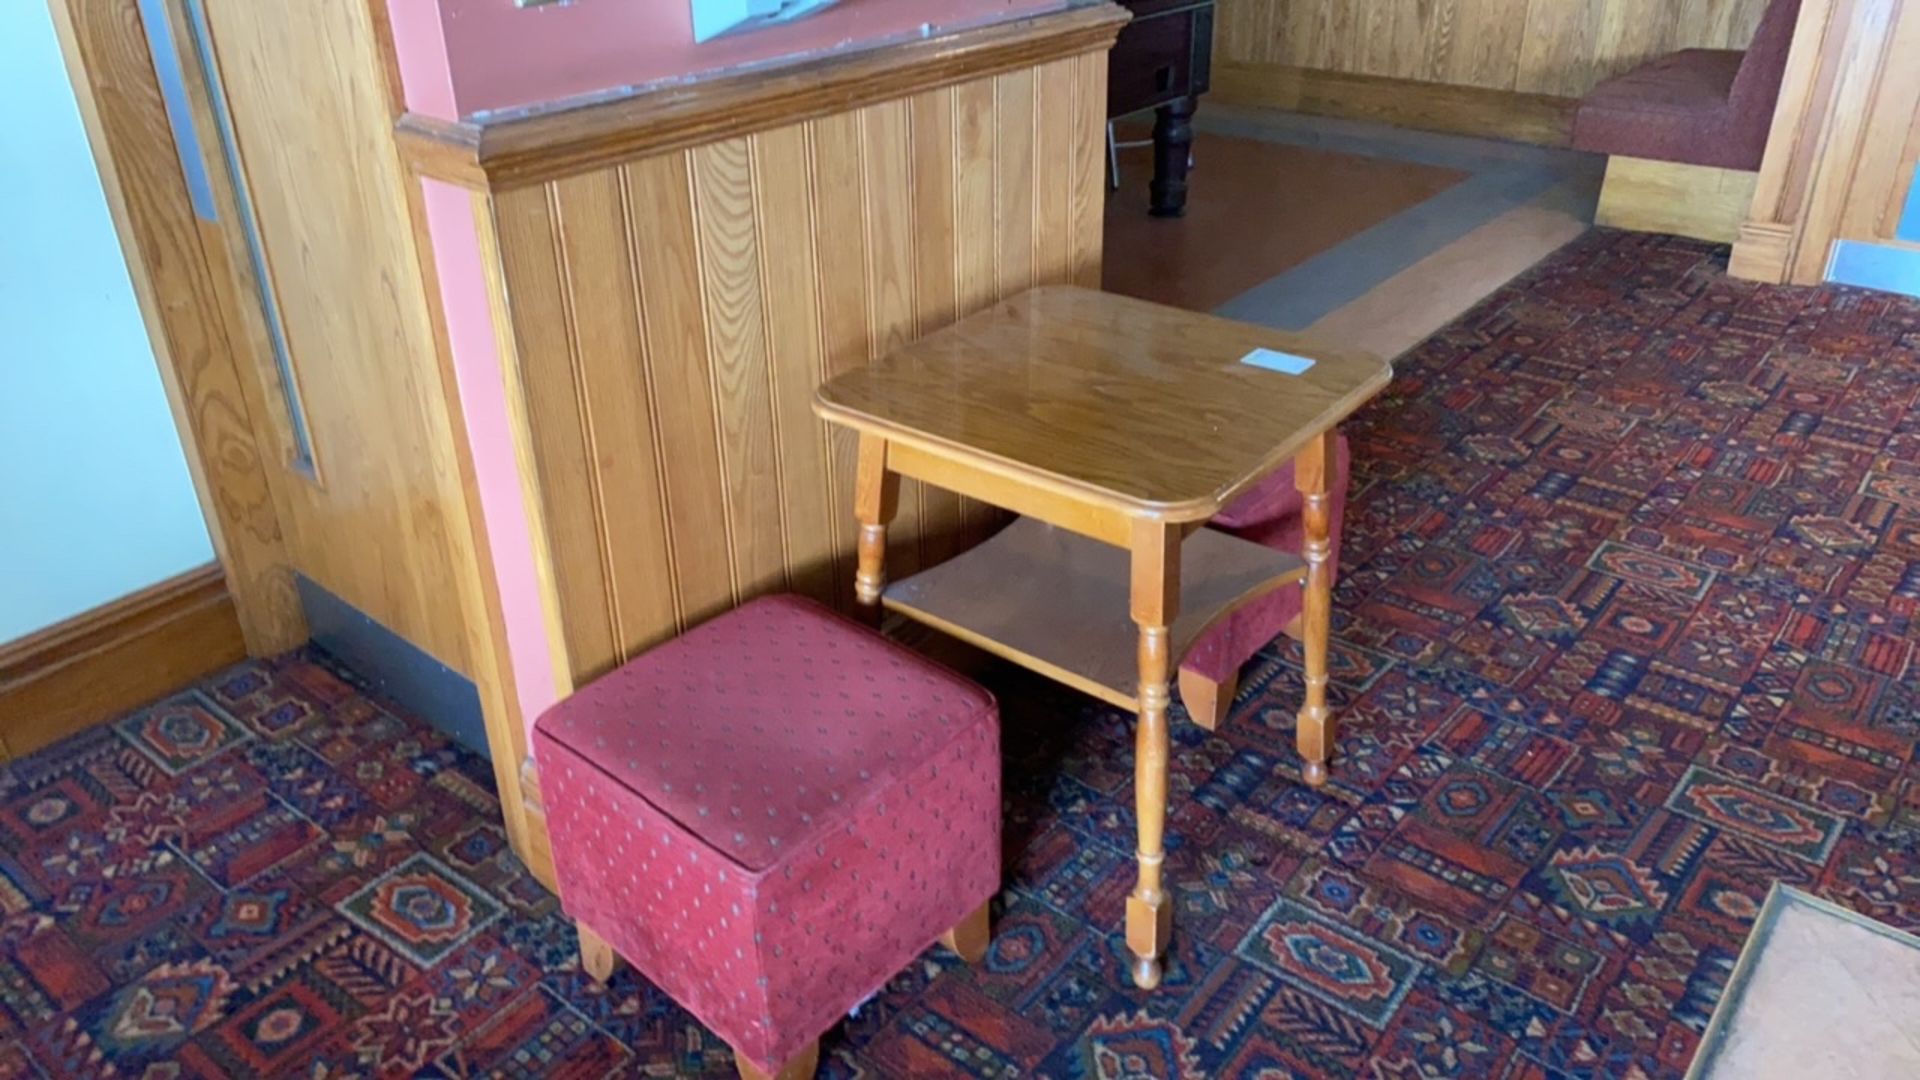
(1711, 107)
(1269, 514)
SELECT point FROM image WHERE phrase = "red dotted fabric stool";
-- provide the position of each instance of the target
(770, 817)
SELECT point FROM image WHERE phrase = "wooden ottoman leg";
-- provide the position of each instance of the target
(597, 958)
(1208, 702)
(800, 1066)
(970, 936)
(876, 498)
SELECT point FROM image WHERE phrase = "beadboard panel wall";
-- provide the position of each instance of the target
(665, 322)
(1553, 47)
(383, 523)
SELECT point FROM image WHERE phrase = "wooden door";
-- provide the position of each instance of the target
(247, 154)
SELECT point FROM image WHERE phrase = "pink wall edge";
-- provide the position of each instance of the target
(483, 399)
(462, 57)
(420, 47)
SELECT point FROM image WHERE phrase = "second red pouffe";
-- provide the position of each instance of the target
(772, 815)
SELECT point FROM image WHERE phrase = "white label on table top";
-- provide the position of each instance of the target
(1273, 360)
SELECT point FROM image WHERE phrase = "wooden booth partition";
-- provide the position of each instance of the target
(1845, 140)
(671, 275)
(1505, 68)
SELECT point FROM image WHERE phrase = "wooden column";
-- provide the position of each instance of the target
(1845, 139)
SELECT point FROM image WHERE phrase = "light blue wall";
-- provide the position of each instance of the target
(95, 499)
(1887, 267)
(1910, 219)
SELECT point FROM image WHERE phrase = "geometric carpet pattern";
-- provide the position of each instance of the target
(1626, 634)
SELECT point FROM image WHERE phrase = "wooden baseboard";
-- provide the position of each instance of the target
(539, 849)
(1458, 110)
(1666, 197)
(116, 657)
(1762, 252)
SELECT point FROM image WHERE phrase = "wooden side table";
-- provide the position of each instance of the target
(1116, 429)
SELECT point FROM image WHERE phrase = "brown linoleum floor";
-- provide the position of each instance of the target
(1258, 209)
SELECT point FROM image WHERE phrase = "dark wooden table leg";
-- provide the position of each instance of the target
(1172, 156)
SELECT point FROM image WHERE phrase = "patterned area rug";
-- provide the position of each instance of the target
(1626, 634)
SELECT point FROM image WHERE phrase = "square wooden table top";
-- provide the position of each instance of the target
(1146, 408)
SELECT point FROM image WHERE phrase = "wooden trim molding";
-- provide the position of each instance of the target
(511, 152)
(1542, 119)
(663, 325)
(1761, 252)
(120, 655)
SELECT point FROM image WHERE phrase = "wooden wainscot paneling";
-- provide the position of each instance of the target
(1456, 109)
(116, 657)
(1509, 68)
(670, 318)
(1840, 158)
(673, 275)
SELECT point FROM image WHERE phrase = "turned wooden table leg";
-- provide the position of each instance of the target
(876, 497)
(1316, 726)
(1156, 602)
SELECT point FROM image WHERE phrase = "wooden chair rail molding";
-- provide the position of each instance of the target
(522, 150)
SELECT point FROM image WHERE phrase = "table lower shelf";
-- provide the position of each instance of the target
(1058, 603)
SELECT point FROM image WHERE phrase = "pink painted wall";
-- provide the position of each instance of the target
(480, 377)
(461, 57)
(420, 46)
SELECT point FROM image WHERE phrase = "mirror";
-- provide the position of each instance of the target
(712, 18)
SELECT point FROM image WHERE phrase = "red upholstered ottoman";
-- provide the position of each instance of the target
(1271, 513)
(770, 816)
